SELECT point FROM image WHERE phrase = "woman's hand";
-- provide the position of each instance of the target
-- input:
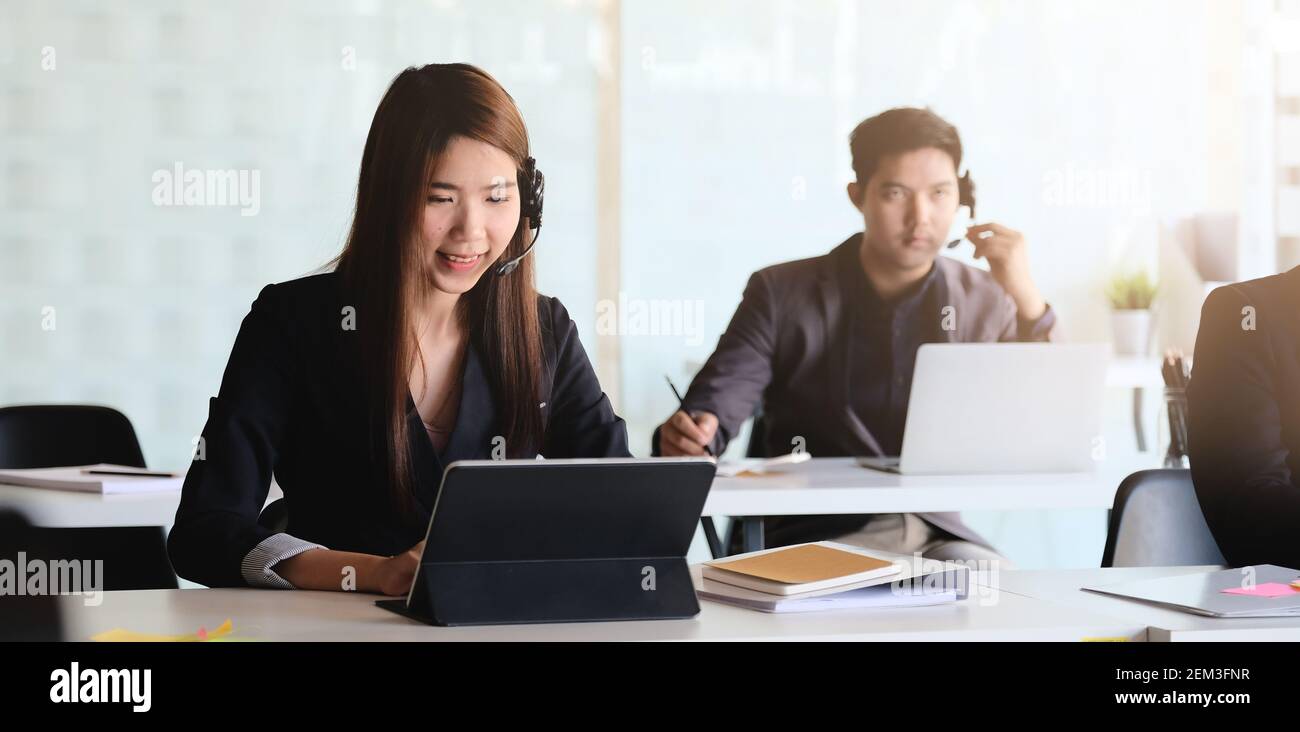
(396, 573)
(325, 569)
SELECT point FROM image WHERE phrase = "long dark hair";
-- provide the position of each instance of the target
(382, 265)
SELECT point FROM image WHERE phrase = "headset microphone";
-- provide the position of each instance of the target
(965, 197)
(532, 187)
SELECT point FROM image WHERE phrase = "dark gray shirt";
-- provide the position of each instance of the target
(884, 340)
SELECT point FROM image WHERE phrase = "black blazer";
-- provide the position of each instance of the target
(291, 403)
(1244, 420)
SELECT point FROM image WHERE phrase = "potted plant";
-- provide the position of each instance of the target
(1131, 297)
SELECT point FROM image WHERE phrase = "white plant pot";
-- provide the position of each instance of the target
(1131, 332)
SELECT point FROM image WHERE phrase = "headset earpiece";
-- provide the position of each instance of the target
(532, 190)
(966, 193)
(965, 197)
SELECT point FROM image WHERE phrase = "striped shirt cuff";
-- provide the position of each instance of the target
(256, 567)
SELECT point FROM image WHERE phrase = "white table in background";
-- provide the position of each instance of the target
(819, 486)
(74, 509)
(1136, 373)
(841, 486)
(1061, 587)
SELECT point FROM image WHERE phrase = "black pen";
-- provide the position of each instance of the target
(135, 473)
(681, 403)
(959, 240)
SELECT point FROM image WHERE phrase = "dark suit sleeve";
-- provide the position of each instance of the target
(1238, 458)
(733, 380)
(1018, 329)
(580, 420)
(228, 480)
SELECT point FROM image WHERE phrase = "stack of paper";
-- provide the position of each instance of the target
(822, 576)
(76, 478)
(759, 466)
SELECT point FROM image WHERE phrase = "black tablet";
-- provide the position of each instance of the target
(554, 541)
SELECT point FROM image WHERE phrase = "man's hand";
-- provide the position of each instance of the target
(1008, 259)
(686, 434)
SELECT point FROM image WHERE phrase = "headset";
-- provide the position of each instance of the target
(965, 197)
(532, 189)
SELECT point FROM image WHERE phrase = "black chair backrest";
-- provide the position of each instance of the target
(1157, 522)
(50, 435)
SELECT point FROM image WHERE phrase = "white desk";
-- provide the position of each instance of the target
(1061, 589)
(1136, 373)
(335, 616)
(72, 509)
(819, 486)
(840, 486)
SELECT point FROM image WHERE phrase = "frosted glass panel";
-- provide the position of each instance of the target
(96, 99)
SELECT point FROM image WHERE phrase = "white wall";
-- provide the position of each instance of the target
(147, 299)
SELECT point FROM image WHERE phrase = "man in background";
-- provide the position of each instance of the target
(826, 345)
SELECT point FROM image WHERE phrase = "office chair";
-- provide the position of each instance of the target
(51, 435)
(26, 617)
(1157, 522)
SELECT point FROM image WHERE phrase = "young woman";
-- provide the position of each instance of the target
(427, 344)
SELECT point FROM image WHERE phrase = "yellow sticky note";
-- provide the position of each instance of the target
(119, 635)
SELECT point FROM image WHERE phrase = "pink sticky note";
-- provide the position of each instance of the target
(1268, 589)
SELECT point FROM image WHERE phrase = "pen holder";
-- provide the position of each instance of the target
(1176, 413)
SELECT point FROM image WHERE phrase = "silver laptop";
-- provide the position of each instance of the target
(1001, 408)
(1261, 591)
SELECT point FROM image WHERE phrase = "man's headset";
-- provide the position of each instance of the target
(532, 187)
(965, 197)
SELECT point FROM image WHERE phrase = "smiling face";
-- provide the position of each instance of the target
(907, 207)
(471, 213)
